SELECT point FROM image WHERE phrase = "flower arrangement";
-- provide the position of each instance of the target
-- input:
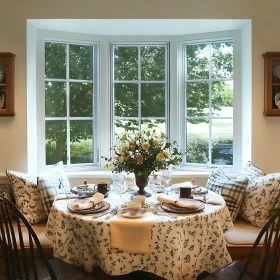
(143, 152)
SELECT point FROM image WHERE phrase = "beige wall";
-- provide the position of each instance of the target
(265, 37)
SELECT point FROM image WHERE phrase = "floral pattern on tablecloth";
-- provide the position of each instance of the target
(180, 249)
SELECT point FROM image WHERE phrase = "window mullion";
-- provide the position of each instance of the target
(210, 105)
(139, 88)
(68, 104)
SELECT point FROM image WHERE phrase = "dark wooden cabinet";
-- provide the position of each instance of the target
(271, 83)
(7, 81)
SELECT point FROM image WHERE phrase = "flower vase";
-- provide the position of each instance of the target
(141, 183)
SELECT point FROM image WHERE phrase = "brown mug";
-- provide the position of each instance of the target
(102, 187)
(186, 192)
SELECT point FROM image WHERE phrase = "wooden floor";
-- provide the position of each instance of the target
(136, 275)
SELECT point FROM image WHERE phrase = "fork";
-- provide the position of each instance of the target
(164, 214)
(112, 213)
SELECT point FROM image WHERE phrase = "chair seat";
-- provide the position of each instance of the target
(231, 271)
(63, 271)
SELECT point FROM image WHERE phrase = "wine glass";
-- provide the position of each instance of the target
(166, 176)
(153, 186)
(119, 186)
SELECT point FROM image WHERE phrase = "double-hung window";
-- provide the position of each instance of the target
(70, 102)
(140, 86)
(142, 90)
(208, 102)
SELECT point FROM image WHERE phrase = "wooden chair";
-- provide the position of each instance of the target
(269, 262)
(20, 264)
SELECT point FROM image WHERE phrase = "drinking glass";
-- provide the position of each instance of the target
(154, 187)
(166, 176)
(119, 185)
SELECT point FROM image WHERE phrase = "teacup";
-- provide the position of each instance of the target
(102, 187)
(139, 198)
(186, 192)
(134, 208)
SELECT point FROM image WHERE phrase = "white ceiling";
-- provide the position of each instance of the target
(139, 26)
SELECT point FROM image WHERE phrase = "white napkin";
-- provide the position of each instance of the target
(131, 235)
(188, 203)
(183, 184)
(86, 203)
(214, 199)
(65, 196)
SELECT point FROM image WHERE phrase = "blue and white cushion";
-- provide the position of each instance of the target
(232, 190)
(51, 184)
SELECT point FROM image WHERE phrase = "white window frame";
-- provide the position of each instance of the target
(139, 81)
(95, 111)
(103, 101)
(210, 117)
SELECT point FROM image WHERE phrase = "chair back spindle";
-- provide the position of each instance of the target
(19, 264)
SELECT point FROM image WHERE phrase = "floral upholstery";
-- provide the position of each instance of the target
(27, 196)
(261, 195)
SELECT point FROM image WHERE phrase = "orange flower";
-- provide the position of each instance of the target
(160, 157)
(145, 146)
(140, 159)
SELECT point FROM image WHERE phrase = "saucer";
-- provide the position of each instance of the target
(199, 190)
(128, 215)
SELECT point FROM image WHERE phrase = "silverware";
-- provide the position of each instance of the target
(164, 214)
(112, 213)
(100, 214)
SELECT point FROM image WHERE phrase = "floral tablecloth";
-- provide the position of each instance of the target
(179, 249)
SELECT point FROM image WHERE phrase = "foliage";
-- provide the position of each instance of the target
(143, 152)
(126, 103)
(197, 149)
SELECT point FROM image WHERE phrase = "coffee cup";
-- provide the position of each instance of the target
(134, 208)
(139, 198)
(102, 187)
(185, 192)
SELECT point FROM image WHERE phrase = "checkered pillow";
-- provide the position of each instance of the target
(52, 184)
(232, 190)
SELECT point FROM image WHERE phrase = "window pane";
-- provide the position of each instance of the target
(222, 60)
(126, 63)
(197, 141)
(222, 142)
(126, 100)
(158, 125)
(153, 100)
(81, 99)
(55, 99)
(153, 63)
(197, 101)
(122, 125)
(55, 60)
(56, 148)
(222, 99)
(81, 146)
(197, 61)
(80, 62)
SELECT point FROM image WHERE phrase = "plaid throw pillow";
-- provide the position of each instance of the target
(232, 190)
(52, 184)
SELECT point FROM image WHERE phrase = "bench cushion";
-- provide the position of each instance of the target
(244, 233)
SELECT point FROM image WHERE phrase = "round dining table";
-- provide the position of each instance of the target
(179, 248)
